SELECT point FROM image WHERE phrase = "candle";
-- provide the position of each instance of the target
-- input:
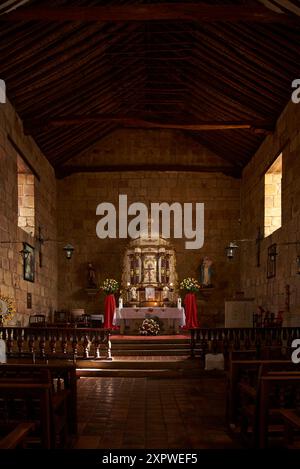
(120, 303)
(179, 303)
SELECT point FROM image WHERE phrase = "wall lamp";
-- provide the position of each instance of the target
(68, 249)
(233, 246)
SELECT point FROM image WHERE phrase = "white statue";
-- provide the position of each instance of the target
(133, 293)
(166, 292)
(179, 303)
(206, 272)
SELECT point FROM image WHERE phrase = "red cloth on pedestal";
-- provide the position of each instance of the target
(109, 311)
(191, 314)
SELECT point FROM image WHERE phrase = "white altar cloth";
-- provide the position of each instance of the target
(146, 312)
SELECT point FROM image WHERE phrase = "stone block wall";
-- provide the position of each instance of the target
(271, 293)
(79, 195)
(44, 289)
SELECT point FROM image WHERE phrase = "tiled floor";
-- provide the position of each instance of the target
(152, 413)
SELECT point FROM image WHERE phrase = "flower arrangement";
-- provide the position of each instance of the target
(190, 284)
(149, 327)
(110, 286)
(7, 309)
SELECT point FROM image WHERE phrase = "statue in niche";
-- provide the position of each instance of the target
(133, 293)
(166, 290)
(206, 272)
(92, 282)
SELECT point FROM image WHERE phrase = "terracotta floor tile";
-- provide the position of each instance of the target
(152, 413)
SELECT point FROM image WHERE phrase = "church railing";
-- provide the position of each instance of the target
(224, 340)
(57, 342)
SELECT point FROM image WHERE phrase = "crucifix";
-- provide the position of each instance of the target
(148, 271)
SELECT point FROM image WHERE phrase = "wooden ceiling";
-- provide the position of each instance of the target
(219, 71)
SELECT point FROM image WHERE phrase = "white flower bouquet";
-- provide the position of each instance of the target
(109, 286)
(149, 327)
(190, 284)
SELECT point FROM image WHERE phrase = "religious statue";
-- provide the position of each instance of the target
(133, 293)
(92, 283)
(206, 272)
(166, 292)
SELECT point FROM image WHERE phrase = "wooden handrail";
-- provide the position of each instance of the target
(226, 339)
(57, 342)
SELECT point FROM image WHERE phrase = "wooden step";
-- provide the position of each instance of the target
(138, 364)
(144, 352)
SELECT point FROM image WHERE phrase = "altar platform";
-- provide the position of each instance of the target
(130, 319)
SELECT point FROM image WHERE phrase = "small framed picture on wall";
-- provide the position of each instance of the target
(29, 262)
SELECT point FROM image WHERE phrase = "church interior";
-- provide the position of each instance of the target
(149, 224)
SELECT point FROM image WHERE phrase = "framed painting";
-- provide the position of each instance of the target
(29, 263)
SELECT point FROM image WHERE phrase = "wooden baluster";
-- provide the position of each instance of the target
(42, 346)
(109, 355)
(31, 344)
(20, 342)
(97, 343)
(214, 342)
(9, 343)
(226, 344)
(268, 338)
(236, 343)
(247, 341)
(52, 344)
(86, 346)
(75, 347)
(258, 344)
(63, 343)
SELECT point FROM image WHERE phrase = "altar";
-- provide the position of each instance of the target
(130, 319)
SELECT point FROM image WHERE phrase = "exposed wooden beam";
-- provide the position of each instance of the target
(150, 12)
(146, 123)
(64, 171)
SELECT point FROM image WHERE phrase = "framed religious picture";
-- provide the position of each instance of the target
(271, 266)
(29, 263)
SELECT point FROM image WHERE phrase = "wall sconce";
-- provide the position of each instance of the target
(68, 250)
(24, 253)
(231, 250)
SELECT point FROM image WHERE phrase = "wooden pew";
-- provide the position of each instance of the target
(16, 436)
(244, 375)
(284, 382)
(63, 379)
(62, 394)
(27, 401)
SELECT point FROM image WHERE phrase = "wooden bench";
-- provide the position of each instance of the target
(63, 378)
(244, 376)
(291, 420)
(15, 437)
(279, 383)
(62, 394)
(27, 401)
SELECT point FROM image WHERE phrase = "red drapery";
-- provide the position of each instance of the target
(191, 314)
(109, 310)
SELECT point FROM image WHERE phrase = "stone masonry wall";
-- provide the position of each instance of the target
(79, 195)
(271, 292)
(44, 289)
